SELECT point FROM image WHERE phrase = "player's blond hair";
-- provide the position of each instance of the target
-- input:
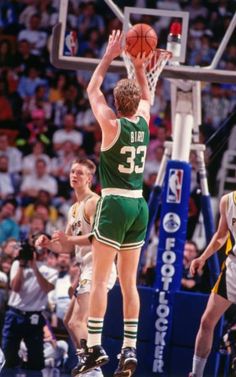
(89, 164)
(127, 96)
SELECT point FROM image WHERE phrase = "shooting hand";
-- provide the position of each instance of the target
(114, 47)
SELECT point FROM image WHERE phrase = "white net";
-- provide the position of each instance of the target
(153, 68)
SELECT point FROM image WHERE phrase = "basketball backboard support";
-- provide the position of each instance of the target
(210, 73)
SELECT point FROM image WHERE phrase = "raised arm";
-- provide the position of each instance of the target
(102, 112)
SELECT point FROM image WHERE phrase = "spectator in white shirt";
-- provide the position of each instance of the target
(68, 133)
(30, 159)
(13, 154)
(38, 180)
(33, 34)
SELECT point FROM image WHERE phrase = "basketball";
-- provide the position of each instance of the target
(141, 38)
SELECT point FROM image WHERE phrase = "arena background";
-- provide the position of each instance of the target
(35, 96)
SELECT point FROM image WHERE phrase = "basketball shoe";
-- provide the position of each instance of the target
(91, 358)
(192, 374)
(127, 364)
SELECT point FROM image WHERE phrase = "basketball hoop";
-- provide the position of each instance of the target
(153, 68)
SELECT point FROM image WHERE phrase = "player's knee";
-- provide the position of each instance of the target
(207, 323)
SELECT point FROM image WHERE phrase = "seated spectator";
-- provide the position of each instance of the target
(73, 99)
(7, 183)
(35, 226)
(61, 165)
(36, 181)
(188, 281)
(152, 165)
(34, 35)
(68, 133)
(36, 130)
(43, 198)
(57, 87)
(38, 151)
(13, 154)
(38, 102)
(6, 55)
(8, 226)
(29, 81)
(10, 248)
(5, 264)
(24, 58)
(158, 140)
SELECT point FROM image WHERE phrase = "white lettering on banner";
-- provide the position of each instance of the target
(163, 309)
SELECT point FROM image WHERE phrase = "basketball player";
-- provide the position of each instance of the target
(224, 291)
(122, 212)
(80, 220)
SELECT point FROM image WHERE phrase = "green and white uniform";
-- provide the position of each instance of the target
(122, 212)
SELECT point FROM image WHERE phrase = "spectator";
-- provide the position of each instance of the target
(7, 183)
(152, 165)
(188, 281)
(88, 19)
(36, 181)
(5, 264)
(61, 165)
(38, 151)
(10, 248)
(6, 55)
(57, 87)
(31, 280)
(13, 154)
(43, 198)
(24, 58)
(68, 133)
(8, 226)
(29, 81)
(73, 99)
(158, 139)
(38, 102)
(34, 35)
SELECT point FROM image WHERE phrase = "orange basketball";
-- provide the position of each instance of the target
(140, 38)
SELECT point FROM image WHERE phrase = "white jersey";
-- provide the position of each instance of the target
(79, 225)
(231, 218)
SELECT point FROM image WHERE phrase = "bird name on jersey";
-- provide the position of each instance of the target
(136, 136)
(163, 306)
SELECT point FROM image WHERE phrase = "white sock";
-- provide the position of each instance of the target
(130, 332)
(95, 326)
(198, 365)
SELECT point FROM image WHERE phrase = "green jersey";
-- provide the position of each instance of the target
(122, 163)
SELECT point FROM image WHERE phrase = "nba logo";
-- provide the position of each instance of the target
(71, 43)
(174, 188)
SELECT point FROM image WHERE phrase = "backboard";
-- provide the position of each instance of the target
(66, 41)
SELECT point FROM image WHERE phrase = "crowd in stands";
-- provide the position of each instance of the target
(46, 121)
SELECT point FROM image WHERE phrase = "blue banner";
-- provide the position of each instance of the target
(172, 237)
